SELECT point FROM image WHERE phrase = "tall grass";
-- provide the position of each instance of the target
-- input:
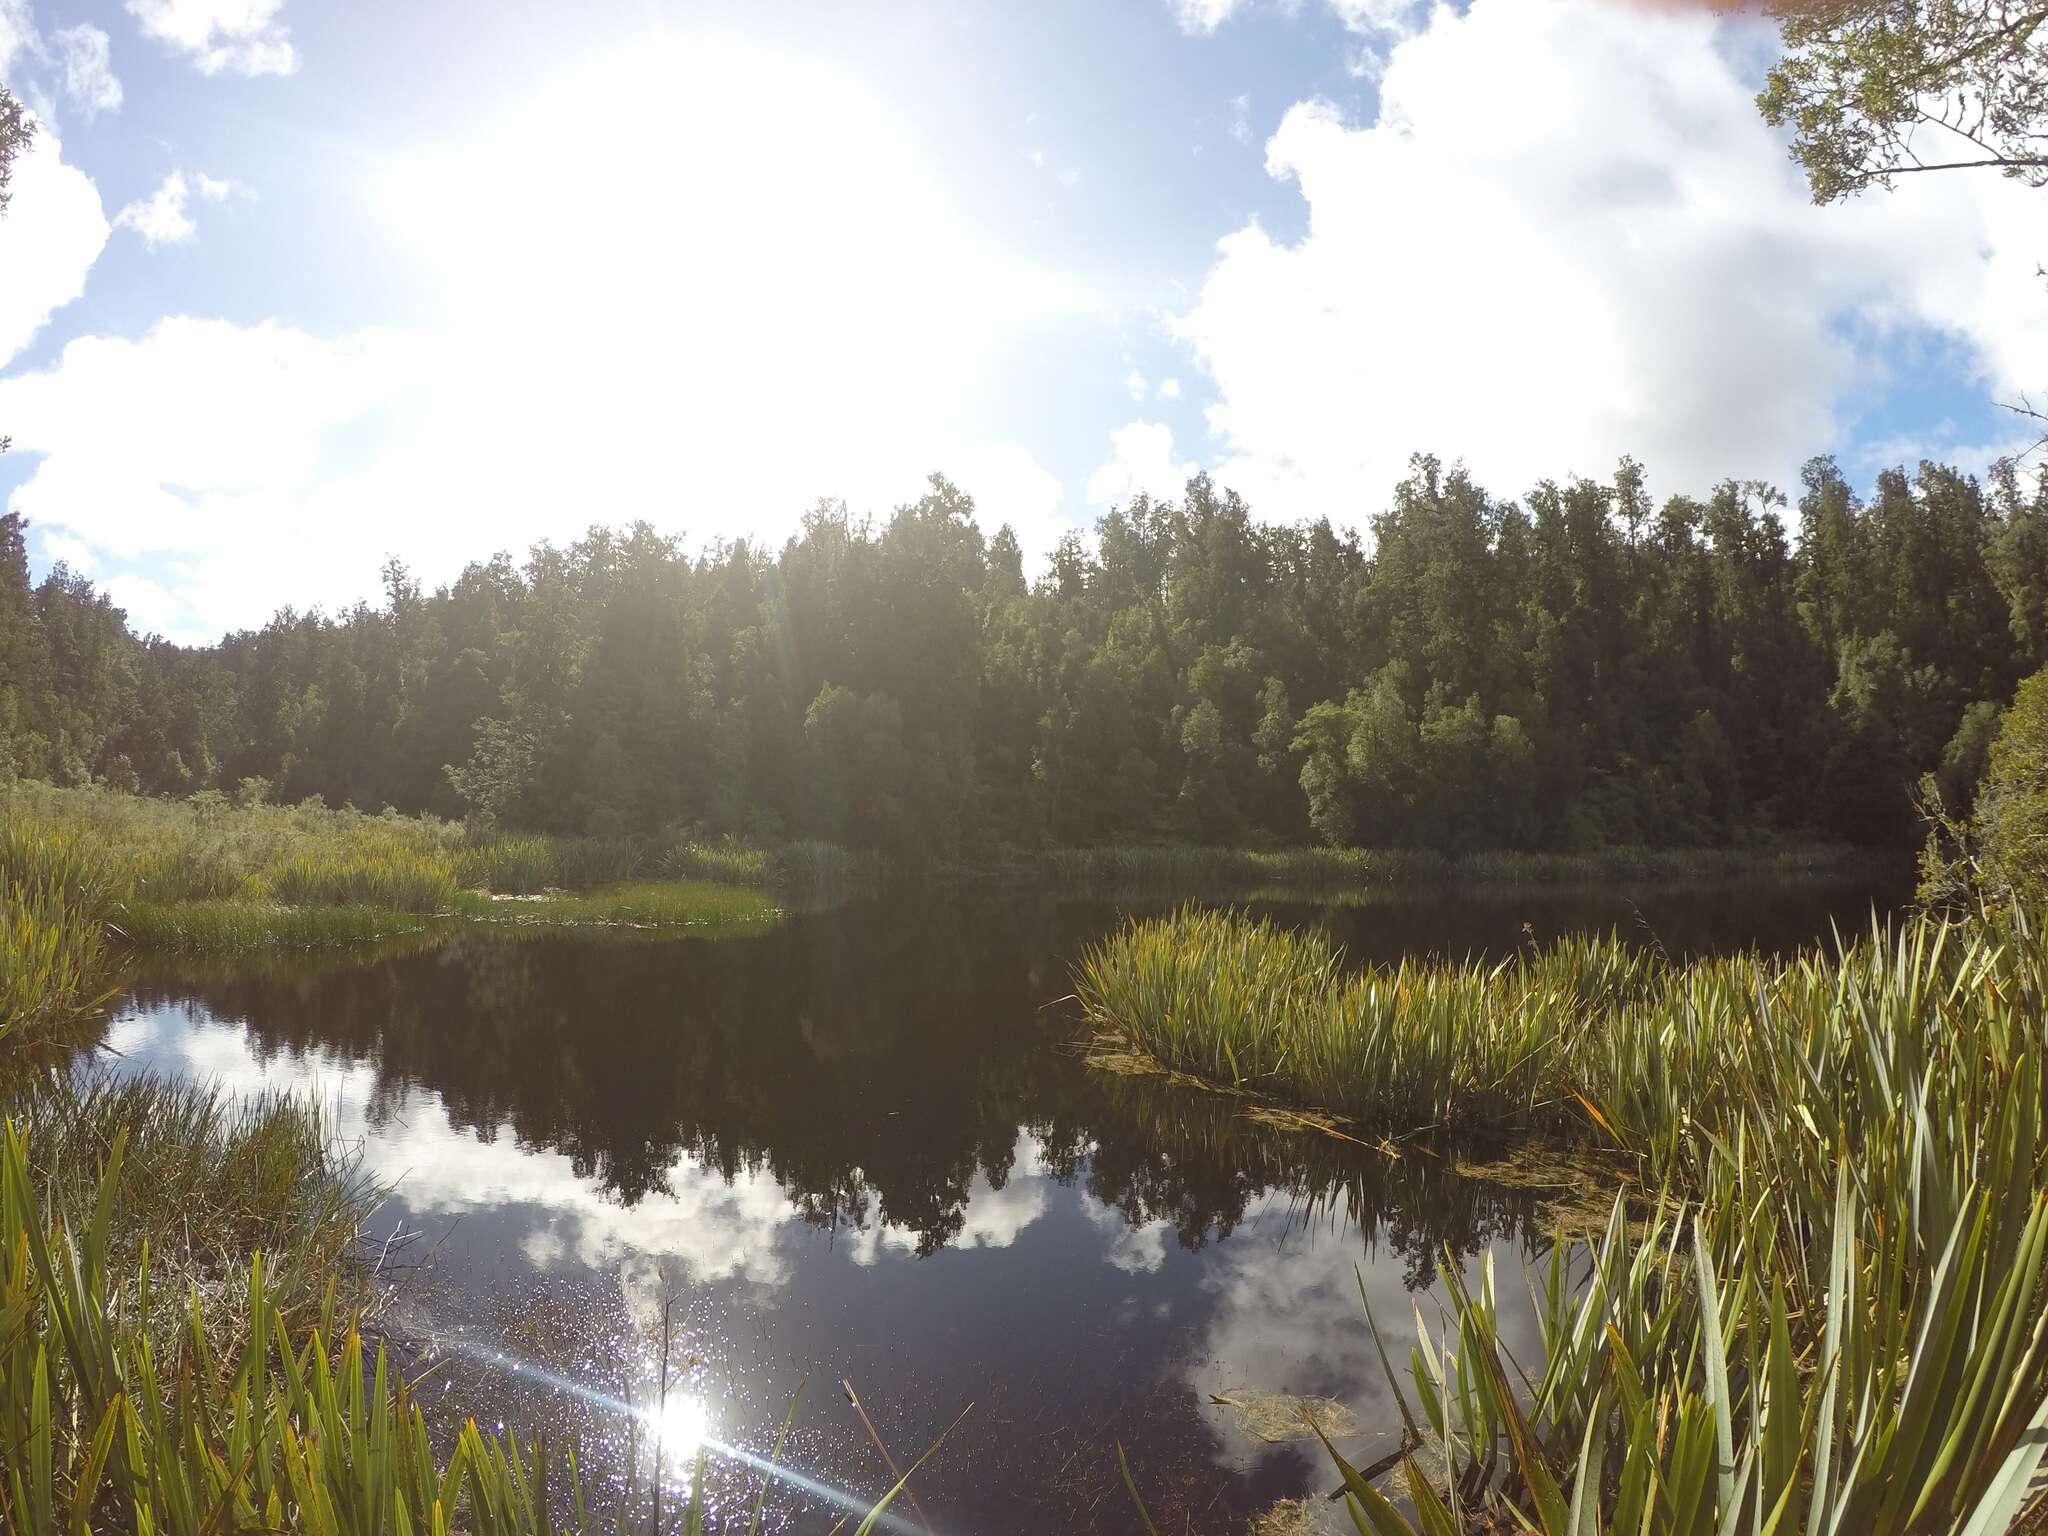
(517, 866)
(1415, 1046)
(1837, 1321)
(203, 877)
(230, 927)
(393, 879)
(207, 1180)
(53, 959)
(203, 849)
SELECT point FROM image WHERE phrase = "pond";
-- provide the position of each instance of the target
(861, 1147)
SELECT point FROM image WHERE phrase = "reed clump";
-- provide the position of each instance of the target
(1417, 1046)
(1834, 1321)
(368, 873)
(53, 941)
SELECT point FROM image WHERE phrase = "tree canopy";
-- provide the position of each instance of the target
(1876, 89)
(1571, 669)
(16, 129)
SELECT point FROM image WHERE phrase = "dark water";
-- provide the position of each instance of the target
(861, 1146)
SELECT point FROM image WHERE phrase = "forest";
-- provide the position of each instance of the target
(1575, 669)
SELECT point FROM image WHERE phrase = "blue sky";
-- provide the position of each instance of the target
(288, 288)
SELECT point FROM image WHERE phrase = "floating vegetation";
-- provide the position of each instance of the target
(647, 904)
(1276, 1417)
(1288, 1517)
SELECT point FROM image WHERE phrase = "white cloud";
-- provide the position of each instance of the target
(1169, 389)
(1134, 381)
(1202, 17)
(89, 80)
(1135, 1249)
(160, 218)
(204, 442)
(62, 547)
(242, 37)
(992, 1218)
(150, 608)
(1568, 236)
(17, 36)
(53, 232)
(677, 341)
(1241, 118)
(1141, 460)
(1381, 20)
(713, 1229)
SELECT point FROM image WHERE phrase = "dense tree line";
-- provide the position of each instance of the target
(1576, 668)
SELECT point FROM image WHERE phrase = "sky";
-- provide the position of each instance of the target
(287, 289)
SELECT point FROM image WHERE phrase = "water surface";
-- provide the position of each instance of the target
(862, 1147)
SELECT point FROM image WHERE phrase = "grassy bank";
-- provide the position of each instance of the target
(203, 877)
(207, 849)
(1834, 1320)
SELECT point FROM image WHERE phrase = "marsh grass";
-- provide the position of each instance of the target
(1420, 1046)
(366, 874)
(514, 865)
(205, 849)
(86, 868)
(225, 927)
(53, 953)
(647, 904)
(208, 1179)
(1836, 1320)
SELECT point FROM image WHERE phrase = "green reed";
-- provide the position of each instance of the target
(1410, 1047)
(53, 958)
(1834, 1320)
(227, 927)
(516, 865)
(370, 873)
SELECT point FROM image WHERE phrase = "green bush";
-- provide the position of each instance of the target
(2012, 807)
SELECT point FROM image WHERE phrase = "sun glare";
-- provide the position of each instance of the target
(682, 1425)
(707, 253)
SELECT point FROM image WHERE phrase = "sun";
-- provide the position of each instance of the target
(682, 1425)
